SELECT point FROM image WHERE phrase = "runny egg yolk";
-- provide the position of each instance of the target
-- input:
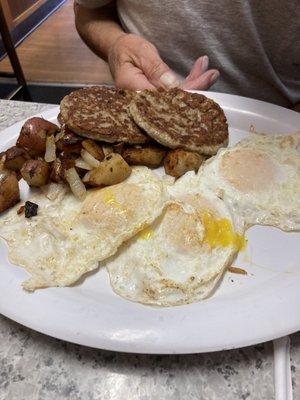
(146, 233)
(109, 198)
(220, 233)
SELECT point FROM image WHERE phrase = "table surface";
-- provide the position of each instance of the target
(36, 367)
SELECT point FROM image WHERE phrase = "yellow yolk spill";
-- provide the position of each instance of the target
(220, 233)
(146, 233)
(109, 198)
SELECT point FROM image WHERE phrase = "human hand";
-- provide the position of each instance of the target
(200, 77)
(135, 64)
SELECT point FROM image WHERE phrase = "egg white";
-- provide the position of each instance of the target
(171, 262)
(68, 237)
(259, 179)
(169, 257)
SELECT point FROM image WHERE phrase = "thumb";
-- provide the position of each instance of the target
(158, 72)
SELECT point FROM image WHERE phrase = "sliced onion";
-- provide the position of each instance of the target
(80, 163)
(50, 154)
(75, 183)
(107, 149)
(88, 158)
(60, 135)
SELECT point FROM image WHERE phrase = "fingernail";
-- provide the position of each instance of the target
(214, 77)
(169, 79)
(204, 64)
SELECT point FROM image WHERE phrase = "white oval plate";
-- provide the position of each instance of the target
(244, 310)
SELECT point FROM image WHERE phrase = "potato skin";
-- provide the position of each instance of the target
(57, 171)
(66, 160)
(178, 162)
(150, 156)
(36, 172)
(118, 148)
(70, 142)
(15, 158)
(33, 134)
(112, 170)
(9, 190)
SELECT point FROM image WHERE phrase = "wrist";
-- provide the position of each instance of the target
(125, 44)
(118, 50)
(119, 41)
(110, 41)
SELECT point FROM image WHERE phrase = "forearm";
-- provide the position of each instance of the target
(134, 62)
(98, 28)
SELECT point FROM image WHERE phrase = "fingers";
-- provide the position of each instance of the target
(200, 66)
(202, 82)
(136, 64)
(132, 78)
(157, 72)
(200, 78)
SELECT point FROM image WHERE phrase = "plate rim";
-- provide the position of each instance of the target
(157, 349)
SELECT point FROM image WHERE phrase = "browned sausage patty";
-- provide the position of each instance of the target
(101, 113)
(179, 119)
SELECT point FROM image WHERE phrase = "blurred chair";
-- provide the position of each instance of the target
(21, 92)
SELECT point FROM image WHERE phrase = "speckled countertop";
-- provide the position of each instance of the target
(36, 367)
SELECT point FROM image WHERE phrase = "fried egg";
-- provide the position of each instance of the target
(68, 238)
(259, 179)
(181, 256)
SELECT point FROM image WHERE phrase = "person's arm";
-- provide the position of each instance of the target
(98, 28)
(133, 61)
